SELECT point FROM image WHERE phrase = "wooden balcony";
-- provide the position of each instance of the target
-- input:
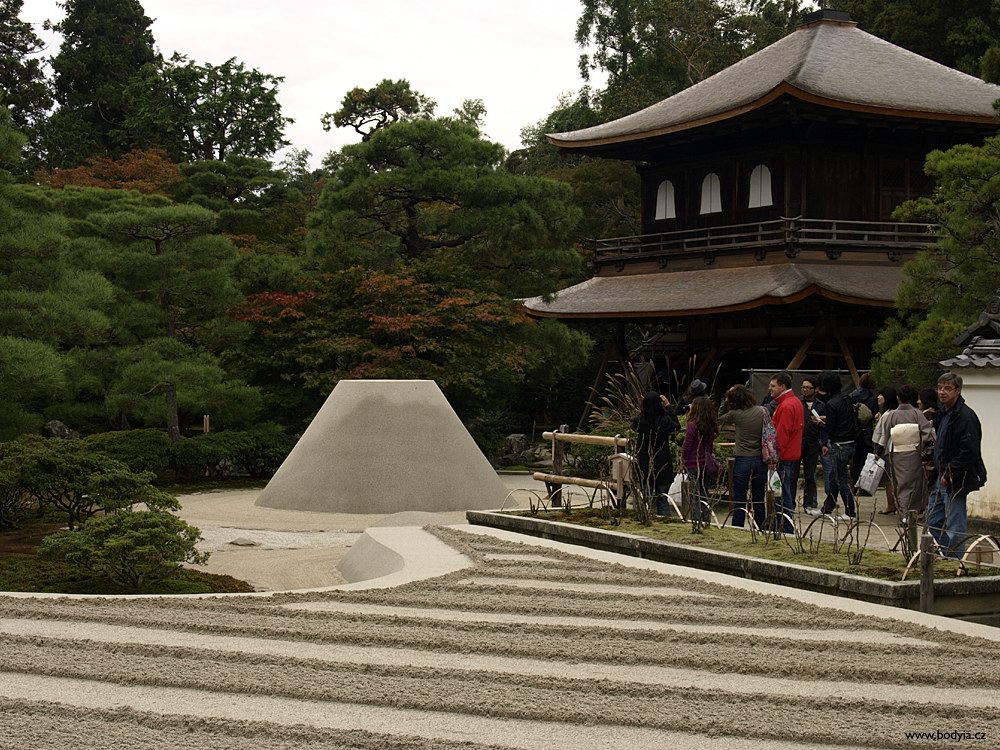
(789, 235)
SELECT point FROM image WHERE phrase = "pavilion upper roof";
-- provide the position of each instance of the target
(828, 62)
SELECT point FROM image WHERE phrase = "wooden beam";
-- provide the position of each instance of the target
(800, 355)
(569, 437)
(847, 355)
(589, 405)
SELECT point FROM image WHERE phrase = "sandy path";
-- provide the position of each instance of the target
(460, 660)
(280, 550)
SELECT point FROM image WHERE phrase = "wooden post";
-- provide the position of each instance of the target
(557, 464)
(204, 423)
(911, 531)
(926, 573)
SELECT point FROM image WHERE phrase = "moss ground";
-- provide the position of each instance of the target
(875, 562)
(22, 570)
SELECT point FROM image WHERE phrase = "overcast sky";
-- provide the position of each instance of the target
(517, 56)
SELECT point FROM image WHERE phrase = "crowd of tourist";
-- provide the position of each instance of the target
(929, 442)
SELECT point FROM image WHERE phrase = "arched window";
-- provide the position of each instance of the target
(665, 208)
(711, 194)
(760, 187)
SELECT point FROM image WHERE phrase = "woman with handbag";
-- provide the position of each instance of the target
(699, 461)
(749, 470)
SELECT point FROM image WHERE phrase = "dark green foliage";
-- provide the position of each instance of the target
(433, 193)
(368, 110)
(263, 449)
(962, 34)
(14, 501)
(205, 111)
(946, 287)
(22, 81)
(69, 477)
(105, 43)
(651, 49)
(257, 452)
(132, 548)
(140, 450)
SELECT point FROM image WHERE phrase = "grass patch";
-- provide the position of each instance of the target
(875, 563)
(213, 485)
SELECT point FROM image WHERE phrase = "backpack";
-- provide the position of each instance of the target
(862, 417)
(768, 439)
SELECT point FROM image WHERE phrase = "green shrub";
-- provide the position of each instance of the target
(14, 501)
(204, 455)
(140, 450)
(257, 452)
(132, 548)
(263, 450)
(490, 429)
(70, 477)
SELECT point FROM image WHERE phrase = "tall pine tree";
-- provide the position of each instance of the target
(105, 43)
(22, 81)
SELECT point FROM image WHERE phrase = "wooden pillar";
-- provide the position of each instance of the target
(555, 490)
(926, 573)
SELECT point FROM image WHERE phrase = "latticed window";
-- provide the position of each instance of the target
(665, 208)
(711, 194)
(760, 187)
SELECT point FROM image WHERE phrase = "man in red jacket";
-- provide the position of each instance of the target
(789, 422)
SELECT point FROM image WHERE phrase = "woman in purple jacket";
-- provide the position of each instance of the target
(699, 438)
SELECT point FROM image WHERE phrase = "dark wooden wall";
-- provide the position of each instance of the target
(824, 164)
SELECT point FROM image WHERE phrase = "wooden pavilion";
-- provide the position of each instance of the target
(767, 197)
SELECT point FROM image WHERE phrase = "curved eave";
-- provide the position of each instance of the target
(780, 90)
(753, 304)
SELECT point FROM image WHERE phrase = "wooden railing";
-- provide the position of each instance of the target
(790, 233)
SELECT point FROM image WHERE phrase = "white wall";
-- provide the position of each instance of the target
(981, 390)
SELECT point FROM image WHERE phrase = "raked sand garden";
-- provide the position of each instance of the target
(478, 638)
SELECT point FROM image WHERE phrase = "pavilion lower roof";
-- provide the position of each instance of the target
(720, 290)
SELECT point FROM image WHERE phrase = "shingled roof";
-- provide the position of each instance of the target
(828, 62)
(718, 290)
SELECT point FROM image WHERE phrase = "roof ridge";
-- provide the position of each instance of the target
(811, 30)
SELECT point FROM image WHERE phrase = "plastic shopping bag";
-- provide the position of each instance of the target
(676, 488)
(871, 474)
(774, 482)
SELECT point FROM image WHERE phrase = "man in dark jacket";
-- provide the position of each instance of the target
(958, 466)
(813, 439)
(837, 455)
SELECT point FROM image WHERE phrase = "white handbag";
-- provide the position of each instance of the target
(871, 474)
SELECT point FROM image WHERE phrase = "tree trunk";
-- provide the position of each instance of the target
(173, 425)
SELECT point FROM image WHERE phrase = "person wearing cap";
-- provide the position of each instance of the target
(696, 389)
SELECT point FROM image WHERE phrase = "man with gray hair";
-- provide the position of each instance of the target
(958, 466)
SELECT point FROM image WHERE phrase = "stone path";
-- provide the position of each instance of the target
(527, 646)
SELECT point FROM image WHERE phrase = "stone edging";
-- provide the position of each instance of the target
(976, 598)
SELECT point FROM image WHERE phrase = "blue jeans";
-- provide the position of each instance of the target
(789, 473)
(809, 460)
(947, 520)
(658, 485)
(838, 478)
(749, 472)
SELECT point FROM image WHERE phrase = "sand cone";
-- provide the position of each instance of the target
(385, 446)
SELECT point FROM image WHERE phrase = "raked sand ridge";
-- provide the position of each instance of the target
(506, 645)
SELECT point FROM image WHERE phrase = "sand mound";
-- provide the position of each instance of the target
(382, 446)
